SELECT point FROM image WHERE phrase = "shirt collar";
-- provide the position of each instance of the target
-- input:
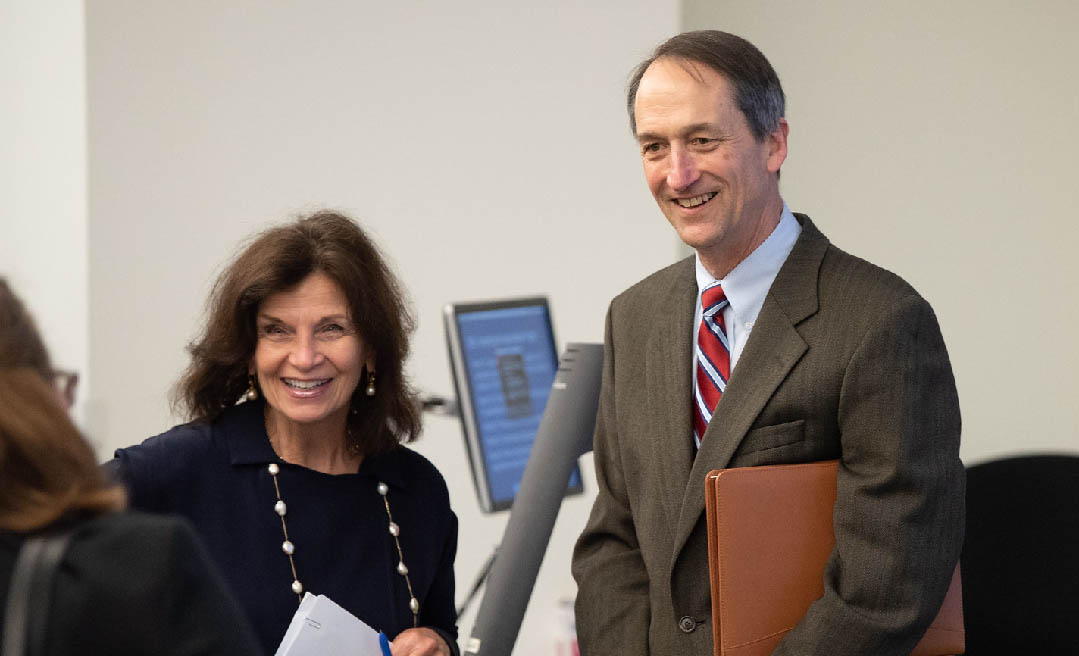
(244, 431)
(747, 284)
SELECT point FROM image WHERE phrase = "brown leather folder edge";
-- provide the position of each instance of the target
(769, 537)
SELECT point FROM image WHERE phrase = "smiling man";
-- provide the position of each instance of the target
(768, 346)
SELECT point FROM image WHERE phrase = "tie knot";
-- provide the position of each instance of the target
(711, 296)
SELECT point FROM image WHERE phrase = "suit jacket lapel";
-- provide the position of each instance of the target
(669, 351)
(773, 349)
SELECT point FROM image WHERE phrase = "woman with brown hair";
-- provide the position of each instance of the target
(127, 583)
(292, 467)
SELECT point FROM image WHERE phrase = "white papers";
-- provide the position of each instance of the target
(322, 628)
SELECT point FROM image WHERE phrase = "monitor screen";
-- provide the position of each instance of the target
(504, 361)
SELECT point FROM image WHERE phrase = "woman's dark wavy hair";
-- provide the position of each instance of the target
(277, 260)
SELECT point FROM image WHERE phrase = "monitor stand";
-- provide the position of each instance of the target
(564, 435)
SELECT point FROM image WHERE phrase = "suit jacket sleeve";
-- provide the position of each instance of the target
(612, 607)
(899, 513)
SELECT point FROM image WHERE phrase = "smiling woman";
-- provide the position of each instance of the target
(274, 270)
(285, 405)
(308, 363)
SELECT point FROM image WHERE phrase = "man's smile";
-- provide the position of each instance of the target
(696, 200)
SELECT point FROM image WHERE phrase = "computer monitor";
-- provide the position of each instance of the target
(504, 361)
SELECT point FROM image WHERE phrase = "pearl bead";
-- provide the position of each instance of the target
(395, 530)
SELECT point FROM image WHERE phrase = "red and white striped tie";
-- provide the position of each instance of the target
(713, 360)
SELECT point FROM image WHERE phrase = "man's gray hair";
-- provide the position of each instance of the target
(757, 91)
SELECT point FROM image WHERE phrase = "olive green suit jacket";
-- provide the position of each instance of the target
(845, 361)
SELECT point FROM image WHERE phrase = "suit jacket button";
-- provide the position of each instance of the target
(687, 624)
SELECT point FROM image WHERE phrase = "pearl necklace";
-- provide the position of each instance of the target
(289, 548)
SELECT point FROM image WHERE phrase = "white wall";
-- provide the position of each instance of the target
(43, 171)
(484, 144)
(938, 140)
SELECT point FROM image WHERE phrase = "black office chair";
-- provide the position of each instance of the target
(1020, 560)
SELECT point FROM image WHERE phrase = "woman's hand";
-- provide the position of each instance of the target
(419, 642)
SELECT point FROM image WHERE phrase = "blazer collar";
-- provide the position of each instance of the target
(244, 433)
(795, 288)
(771, 352)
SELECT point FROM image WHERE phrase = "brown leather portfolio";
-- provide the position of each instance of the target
(769, 537)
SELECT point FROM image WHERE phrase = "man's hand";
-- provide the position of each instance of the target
(419, 642)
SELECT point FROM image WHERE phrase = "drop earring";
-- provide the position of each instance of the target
(251, 394)
(371, 384)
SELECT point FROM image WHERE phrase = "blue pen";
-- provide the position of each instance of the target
(384, 643)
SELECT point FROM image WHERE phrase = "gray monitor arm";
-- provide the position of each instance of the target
(564, 435)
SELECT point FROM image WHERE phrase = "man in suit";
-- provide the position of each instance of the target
(798, 352)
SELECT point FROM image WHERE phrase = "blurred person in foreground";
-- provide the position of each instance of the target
(128, 583)
(292, 467)
(768, 346)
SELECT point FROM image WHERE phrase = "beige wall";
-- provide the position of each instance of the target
(938, 140)
(43, 170)
(483, 143)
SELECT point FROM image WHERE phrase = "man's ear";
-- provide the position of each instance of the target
(777, 146)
